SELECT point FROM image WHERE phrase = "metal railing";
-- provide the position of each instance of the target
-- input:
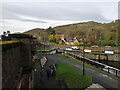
(104, 67)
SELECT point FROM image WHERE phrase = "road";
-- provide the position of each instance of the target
(102, 79)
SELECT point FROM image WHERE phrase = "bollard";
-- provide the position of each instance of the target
(116, 72)
(108, 70)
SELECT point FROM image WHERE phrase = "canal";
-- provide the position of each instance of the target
(111, 60)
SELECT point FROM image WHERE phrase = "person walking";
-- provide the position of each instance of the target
(41, 74)
(53, 70)
(48, 71)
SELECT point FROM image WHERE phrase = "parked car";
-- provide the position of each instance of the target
(94, 46)
(70, 49)
(107, 46)
(75, 47)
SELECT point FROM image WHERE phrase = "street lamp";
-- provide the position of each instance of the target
(83, 36)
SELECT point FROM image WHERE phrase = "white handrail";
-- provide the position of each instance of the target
(106, 66)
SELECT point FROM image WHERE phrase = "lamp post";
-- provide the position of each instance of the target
(83, 36)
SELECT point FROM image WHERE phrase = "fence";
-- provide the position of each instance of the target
(104, 67)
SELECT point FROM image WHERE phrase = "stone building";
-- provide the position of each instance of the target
(17, 64)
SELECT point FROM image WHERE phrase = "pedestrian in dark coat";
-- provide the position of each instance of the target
(48, 71)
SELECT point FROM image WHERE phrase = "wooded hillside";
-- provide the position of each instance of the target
(94, 32)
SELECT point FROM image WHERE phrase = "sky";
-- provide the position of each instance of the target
(23, 15)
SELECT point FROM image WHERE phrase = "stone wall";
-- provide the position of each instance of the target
(111, 57)
(16, 59)
(11, 64)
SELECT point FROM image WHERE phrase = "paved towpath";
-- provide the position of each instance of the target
(42, 81)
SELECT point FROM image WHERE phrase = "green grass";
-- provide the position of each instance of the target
(70, 58)
(41, 51)
(72, 76)
(75, 51)
(86, 65)
(74, 60)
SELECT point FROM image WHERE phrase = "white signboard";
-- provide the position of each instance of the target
(109, 52)
(86, 50)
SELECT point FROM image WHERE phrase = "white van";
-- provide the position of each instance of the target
(69, 49)
(75, 47)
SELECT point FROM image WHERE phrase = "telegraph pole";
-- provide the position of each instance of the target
(83, 60)
(83, 36)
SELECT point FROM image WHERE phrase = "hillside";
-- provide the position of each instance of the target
(73, 30)
(93, 31)
(40, 34)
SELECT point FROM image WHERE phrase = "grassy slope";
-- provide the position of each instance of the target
(72, 76)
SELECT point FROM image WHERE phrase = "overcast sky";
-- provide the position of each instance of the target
(20, 16)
